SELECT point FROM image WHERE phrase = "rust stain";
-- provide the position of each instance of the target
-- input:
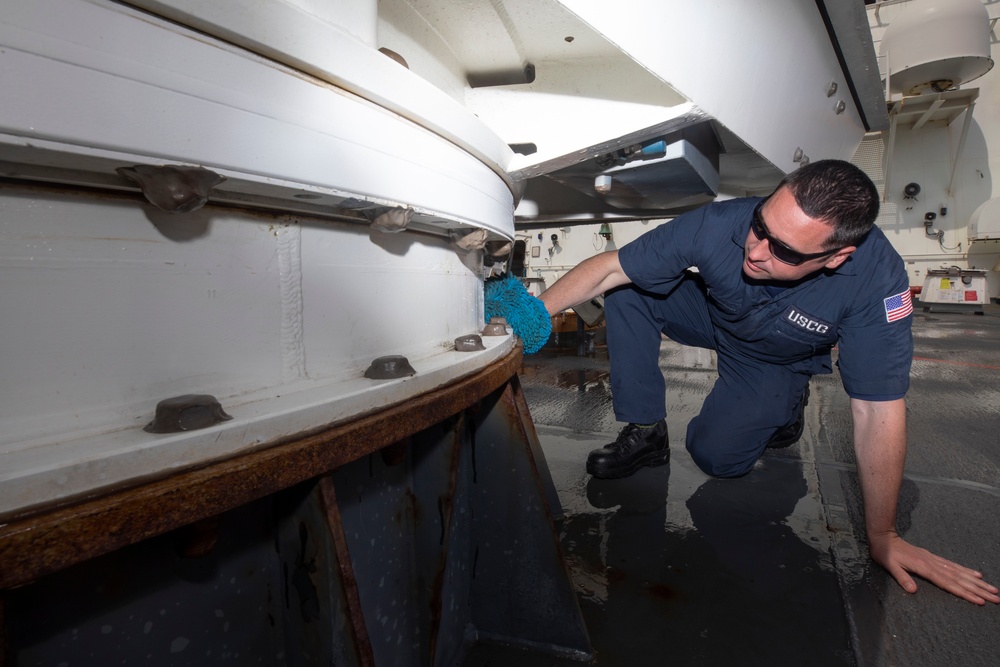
(394, 454)
(410, 514)
(199, 538)
(614, 575)
(661, 591)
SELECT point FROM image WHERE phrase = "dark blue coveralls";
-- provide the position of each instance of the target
(769, 339)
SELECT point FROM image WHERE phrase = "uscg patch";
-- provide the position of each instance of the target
(806, 322)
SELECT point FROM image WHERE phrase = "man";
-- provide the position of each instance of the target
(779, 282)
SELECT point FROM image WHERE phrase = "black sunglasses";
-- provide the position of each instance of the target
(779, 250)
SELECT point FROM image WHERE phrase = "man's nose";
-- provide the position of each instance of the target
(760, 251)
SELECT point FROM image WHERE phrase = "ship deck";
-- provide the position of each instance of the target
(673, 567)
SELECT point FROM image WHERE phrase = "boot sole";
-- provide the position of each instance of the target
(650, 461)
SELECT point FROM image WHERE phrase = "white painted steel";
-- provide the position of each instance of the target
(984, 223)
(111, 305)
(761, 68)
(585, 91)
(571, 107)
(148, 91)
(327, 49)
(448, 43)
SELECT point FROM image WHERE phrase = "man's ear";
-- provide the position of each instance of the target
(839, 257)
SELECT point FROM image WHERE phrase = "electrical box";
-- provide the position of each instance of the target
(591, 312)
(954, 289)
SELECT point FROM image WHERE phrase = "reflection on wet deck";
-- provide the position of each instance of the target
(710, 570)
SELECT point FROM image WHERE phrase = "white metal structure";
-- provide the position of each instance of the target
(111, 306)
(277, 295)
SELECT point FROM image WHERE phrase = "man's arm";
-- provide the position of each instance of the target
(591, 277)
(880, 446)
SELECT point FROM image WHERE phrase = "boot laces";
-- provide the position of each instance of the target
(628, 437)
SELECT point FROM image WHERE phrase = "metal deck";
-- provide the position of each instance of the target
(673, 567)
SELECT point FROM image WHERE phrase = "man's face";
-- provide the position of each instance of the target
(785, 223)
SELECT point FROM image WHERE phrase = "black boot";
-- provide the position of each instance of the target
(635, 448)
(790, 434)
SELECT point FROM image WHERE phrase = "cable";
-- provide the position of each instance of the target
(939, 235)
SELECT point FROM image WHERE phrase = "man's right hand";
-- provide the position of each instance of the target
(591, 277)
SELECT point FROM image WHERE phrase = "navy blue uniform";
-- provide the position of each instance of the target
(769, 339)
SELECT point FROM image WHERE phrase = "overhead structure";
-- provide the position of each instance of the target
(615, 83)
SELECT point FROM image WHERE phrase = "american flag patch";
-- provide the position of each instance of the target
(899, 306)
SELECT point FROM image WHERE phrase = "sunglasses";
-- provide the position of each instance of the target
(779, 250)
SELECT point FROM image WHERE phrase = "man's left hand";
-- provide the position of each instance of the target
(901, 559)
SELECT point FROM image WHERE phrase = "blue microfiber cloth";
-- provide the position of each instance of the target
(506, 297)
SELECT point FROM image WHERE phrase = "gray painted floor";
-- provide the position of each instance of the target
(672, 567)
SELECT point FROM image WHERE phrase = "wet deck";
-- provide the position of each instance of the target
(673, 567)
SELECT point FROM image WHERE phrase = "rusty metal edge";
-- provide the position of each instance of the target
(447, 513)
(50, 540)
(526, 427)
(352, 595)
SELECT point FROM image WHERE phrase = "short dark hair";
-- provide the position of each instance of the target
(838, 193)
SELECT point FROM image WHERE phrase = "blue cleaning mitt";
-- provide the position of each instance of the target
(506, 297)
